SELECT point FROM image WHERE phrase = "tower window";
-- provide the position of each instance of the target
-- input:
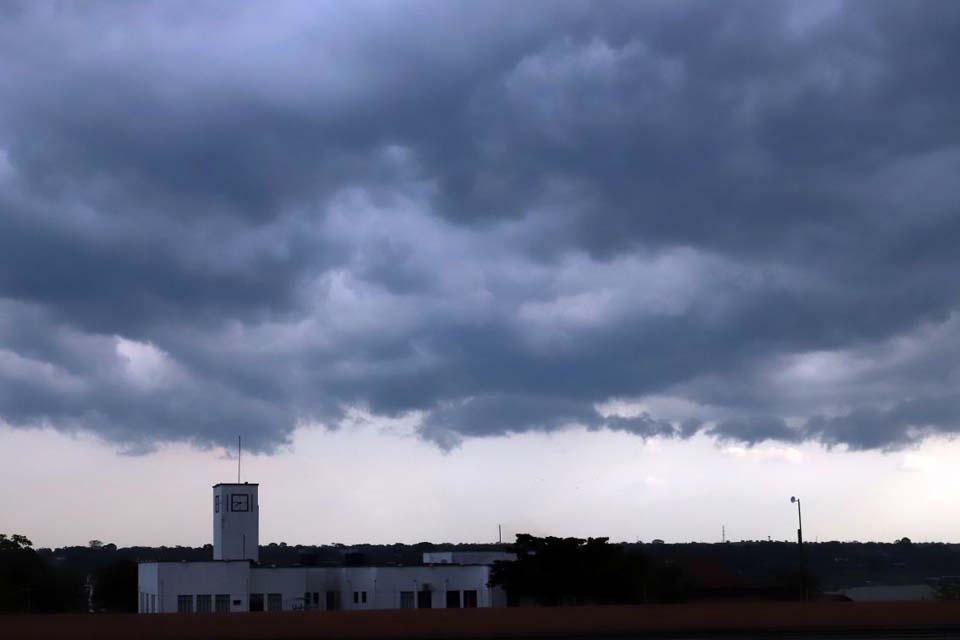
(239, 502)
(216, 504)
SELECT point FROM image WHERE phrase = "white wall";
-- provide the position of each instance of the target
(167, 580)
(289, 582)
(148, 585)
(382, 585)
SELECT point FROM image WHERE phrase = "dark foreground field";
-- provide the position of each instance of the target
(751, 620)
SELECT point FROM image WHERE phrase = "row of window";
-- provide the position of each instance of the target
(205, 603)
(220, 603)
(466, 599)
(274, 602)
(311, 600)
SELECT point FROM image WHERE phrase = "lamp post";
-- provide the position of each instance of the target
(803, 575)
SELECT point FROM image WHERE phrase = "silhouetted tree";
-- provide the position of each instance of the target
(28, 584)
(553, 571)
(115, 587)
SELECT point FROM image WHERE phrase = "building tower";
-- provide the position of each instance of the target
(236, 522)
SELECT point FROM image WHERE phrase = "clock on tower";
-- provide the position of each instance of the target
(239, 502)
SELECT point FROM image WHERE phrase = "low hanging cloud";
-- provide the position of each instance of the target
(735, 219)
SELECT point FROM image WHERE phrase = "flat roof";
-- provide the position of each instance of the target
(333, 565)
(236, 484)
(248, 561)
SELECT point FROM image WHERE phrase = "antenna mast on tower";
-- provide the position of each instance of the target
(239, 453)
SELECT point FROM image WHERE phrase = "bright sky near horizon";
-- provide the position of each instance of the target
(639, 269)
(381, 484)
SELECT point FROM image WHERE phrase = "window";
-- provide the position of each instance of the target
(406, 599)
(333, 600)
(424, 599)
(359, 597)
(356, 597)
(453, 599)
(470, 599)
(184, 604)
(239, 502)
(311, 599)
(363, 597)
(274, 602)
(153, 603)
(204, 603)
(221, 603)
(256, 602)
(216, 504)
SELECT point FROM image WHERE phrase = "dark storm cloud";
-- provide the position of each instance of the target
(219, 218)
(754, 429)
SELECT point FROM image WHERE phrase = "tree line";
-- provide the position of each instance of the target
(102, 577)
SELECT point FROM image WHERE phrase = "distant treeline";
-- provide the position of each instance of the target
(103, 577)
(555, 571)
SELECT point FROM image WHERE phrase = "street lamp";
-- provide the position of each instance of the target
(799, 519)
(803, 575)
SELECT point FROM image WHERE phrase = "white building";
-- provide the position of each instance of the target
(467, 557)
(889, 593)
(233, 581)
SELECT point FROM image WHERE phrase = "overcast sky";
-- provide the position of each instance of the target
(562, 265)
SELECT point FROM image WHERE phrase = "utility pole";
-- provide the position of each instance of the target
(803, 572)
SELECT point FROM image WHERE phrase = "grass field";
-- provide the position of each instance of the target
(643, 620)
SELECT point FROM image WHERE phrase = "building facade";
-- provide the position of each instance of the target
(234, 582)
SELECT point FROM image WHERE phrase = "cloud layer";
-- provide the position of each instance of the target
(738, 218)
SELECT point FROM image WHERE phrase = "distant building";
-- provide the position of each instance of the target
(889, 593)
(234, 581)
(467, 557)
